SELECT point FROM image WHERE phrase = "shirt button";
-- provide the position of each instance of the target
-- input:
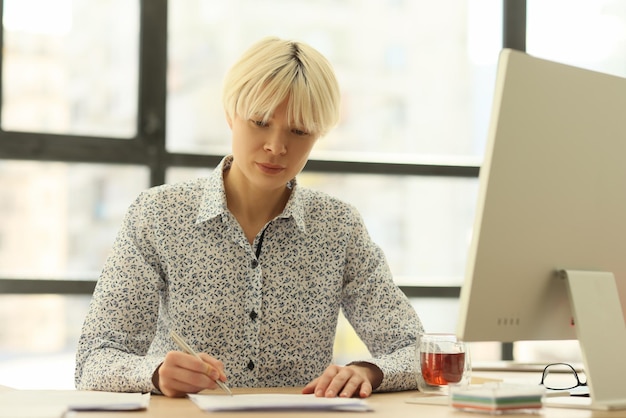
(254, 264)
(250, 365)
(253, 315)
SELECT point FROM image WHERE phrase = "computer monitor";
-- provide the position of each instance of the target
(547, 259)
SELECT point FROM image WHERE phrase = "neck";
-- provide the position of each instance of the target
(253, 207)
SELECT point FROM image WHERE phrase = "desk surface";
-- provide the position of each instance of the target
(384, 404)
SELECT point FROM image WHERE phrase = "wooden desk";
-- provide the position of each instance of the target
(385, 405)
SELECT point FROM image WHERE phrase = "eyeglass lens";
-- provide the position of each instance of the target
(560, 376)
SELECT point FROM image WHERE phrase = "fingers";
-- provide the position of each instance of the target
(347, 383)
(322, 388)
(339, 381)
(356, 386)
(310, 387)
(215, 369)
(182, 373)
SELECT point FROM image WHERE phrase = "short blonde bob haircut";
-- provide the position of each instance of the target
(273, 70)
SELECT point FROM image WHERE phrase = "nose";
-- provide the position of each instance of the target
(276, 143)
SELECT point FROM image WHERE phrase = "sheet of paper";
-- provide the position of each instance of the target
(76, 400)
(274, 401)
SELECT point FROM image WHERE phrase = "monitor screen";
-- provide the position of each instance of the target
(551, 210)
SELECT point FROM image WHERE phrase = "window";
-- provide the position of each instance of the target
(38, 337)
(58, 220)
(415, 75)
(591, 33)
(65, 71)
(103, 98)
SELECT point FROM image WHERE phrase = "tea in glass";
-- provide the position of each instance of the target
(442, 360)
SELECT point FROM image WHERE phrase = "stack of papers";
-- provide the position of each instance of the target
(276, 402)
(496, 398)
(54, 403)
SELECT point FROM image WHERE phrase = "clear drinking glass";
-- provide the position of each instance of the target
(442, 360)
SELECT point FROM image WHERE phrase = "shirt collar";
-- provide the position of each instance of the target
(213, 202)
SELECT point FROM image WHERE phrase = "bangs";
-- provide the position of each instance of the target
(260, 100)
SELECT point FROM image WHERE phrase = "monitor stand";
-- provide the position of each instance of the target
(601, 332)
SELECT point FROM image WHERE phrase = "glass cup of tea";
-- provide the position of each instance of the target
(442, 361)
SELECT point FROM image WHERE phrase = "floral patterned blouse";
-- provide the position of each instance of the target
(268, 310)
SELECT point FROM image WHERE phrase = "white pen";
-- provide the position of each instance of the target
(187, 349)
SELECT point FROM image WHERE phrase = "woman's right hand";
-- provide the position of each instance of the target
(182, 373)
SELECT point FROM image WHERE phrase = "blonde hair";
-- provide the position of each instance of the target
(273, 70)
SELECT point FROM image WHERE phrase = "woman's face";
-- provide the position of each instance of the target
(270, 154)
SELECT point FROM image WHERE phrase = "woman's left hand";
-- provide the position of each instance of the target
(358, 379)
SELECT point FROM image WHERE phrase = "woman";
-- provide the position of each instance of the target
(250, 268)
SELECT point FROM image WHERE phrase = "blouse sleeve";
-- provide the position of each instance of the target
(121, 322)
(380, 312)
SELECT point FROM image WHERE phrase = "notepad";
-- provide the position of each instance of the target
(276, 402)
(498, 398)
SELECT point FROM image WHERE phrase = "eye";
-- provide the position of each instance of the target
(299, 132)
(258, 123)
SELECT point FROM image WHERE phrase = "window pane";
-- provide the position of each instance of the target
(416, 76)
(422, 223)
(58, 220)
(436, 314)
(38, 338)
(71, 67)
(585, 33)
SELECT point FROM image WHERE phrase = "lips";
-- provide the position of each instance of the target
(270, 168)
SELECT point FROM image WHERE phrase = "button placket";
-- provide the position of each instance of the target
(253, 306)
